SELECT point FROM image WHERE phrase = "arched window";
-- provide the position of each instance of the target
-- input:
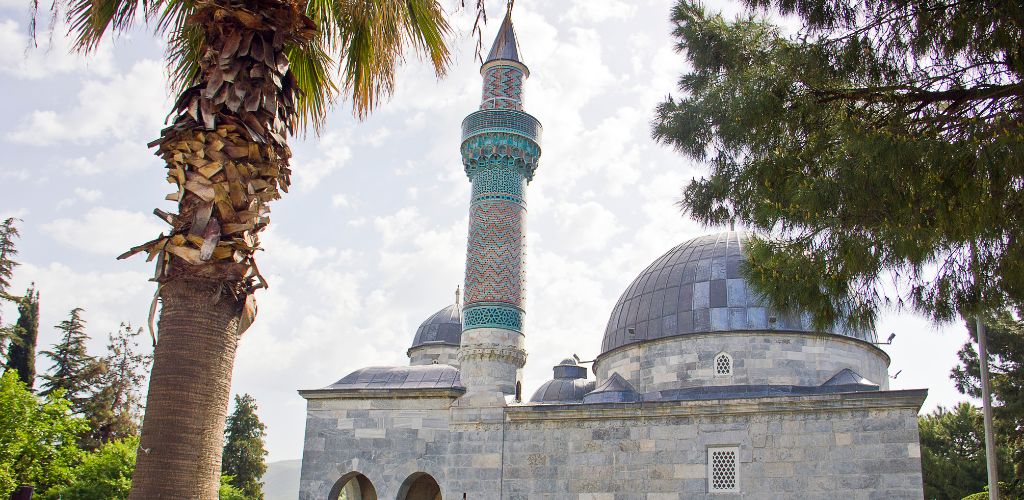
(519, 392)
(419, 486)
(723, 365)
(353, 486)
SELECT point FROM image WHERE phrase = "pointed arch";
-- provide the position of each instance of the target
(419, 486)
(353, 486)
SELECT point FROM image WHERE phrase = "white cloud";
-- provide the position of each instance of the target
(333, 151)
(340, 201)
(124, 156)
(596, 11)
(81, 194)
(18, 174)
(588, 225)
(17, 213)
(53, 56)
(376, 137)
(105, 231)
(119, 107)
(281, 250)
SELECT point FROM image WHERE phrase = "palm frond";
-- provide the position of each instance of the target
(184, 42)
(369, 37)
(310, 64)
(427, 28)
(89, 20)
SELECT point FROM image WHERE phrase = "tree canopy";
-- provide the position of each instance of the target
(103, 474)
(881, 141)
(953, 452)
(74, 371)
(8, 251)
(114, 408)
(244, 451)
(21, 353)
(1005, 335)
(38, 437)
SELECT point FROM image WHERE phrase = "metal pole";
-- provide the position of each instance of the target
(986, 408)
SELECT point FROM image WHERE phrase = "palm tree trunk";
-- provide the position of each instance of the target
(189, 392)
(226, 151)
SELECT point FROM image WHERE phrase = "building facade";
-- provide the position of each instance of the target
(700, 390)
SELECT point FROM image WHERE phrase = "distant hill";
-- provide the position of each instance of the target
(281, 482)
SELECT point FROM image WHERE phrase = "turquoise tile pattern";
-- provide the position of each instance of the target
(500, 152)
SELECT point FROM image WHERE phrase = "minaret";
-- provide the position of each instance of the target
(500, 149)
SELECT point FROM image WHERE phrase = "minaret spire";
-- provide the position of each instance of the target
(505, 46)
(500, 152)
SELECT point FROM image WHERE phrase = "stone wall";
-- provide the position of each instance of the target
(758, 358)
(384, 438)
(858, 445)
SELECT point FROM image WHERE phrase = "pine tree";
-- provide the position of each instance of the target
(244, 451)
(8, 251)
(115, 407)
(21, 354)
(74, 370)
(953, 453)
(1005, 335)
(884, 139)
(8, 233)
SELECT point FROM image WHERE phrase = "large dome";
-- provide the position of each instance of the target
(697, 287)
(442, 328)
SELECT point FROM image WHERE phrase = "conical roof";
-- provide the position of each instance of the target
(505, 46)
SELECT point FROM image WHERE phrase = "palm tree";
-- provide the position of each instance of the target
(247, 74)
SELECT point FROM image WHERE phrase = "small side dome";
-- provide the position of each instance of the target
(614, 390)
(442, 328)
(849, 378)
(569, 385)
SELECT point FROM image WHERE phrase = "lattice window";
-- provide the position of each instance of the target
(724, 469)
(723, 365)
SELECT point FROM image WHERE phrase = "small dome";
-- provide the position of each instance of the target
(697, 287)
(613, 390)
(442, 328)
(569, 385)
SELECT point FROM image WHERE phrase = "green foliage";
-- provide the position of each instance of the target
(37, 438)
(228, 491)
(74, 371)
(1005, 335)
(105, 474)
(21, 353)
(8, 251)
(952, 452)
(115, 407)
(244, 452)
(883, 141)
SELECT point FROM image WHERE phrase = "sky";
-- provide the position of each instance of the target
(371, 239)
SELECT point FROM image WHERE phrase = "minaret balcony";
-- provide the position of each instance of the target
(502, 120)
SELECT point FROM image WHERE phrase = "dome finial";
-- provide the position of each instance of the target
(458, 295)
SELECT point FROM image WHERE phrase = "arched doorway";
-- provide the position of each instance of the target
(420, 486)
(353, 486)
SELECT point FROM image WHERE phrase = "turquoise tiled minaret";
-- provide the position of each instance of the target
(500, 150)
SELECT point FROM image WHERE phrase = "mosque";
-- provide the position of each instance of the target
(700, 390)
